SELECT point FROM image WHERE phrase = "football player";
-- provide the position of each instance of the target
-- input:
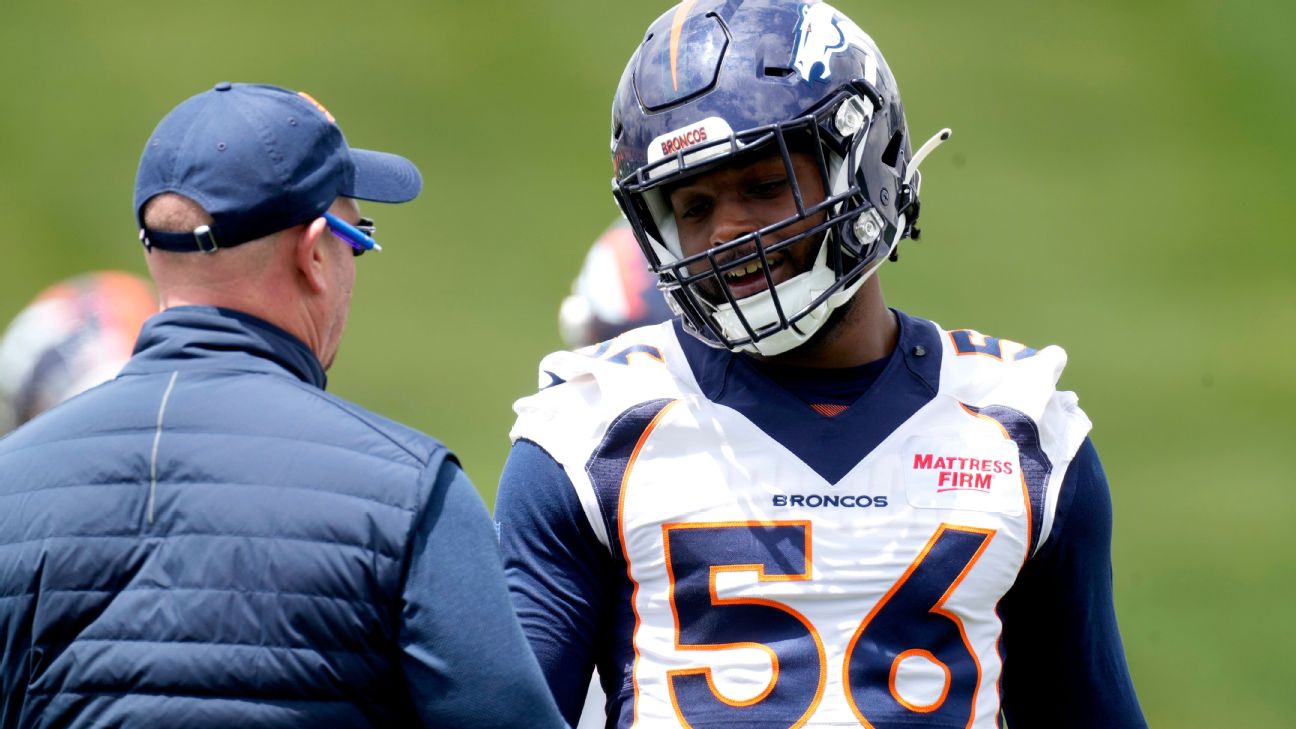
(71, 337)
(795, 506)
(613, 292)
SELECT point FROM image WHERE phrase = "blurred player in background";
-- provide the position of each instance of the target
(73, 336)
(793, 505)
(613, 293)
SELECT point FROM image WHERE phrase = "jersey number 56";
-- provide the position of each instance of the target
(909, 621)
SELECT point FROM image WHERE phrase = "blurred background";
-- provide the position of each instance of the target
(1119, 182)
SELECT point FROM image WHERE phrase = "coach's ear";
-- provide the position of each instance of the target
(308, 254)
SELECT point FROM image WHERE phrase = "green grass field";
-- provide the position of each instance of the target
(1119, 182)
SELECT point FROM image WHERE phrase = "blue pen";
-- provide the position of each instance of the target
(359, 239)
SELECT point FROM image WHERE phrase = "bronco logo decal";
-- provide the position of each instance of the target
(821, 34)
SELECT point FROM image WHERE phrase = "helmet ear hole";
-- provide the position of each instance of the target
(891, 155)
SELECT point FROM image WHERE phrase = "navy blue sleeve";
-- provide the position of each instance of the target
(1064, 665)
(557, 570)
(465, 660)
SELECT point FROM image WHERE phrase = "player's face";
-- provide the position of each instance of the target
(720, 205)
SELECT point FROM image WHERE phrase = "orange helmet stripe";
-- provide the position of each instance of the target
(677, 27)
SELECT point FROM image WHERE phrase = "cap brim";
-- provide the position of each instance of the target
(384, 177)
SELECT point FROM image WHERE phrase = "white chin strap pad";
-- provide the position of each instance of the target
(794, 295)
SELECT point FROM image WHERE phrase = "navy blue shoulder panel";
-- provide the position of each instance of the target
(607, 465)
(1064, 661)
(832, 446)
(1035, 464)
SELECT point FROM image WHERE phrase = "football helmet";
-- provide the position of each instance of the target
(76, 334)
(614, 291)
(714, 81)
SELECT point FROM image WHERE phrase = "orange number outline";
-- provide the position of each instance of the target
(938, 609)
(804, 576)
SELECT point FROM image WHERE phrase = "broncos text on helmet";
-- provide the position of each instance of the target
(716, 81)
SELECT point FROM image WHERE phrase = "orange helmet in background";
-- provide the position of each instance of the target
(74, 335)
(614, 291)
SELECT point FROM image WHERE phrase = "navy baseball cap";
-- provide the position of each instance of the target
(259, 159)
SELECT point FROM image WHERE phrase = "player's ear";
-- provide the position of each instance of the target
(308, 255)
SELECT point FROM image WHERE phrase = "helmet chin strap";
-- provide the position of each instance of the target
(794, 295)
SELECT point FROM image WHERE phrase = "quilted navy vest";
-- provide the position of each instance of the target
(210, 540)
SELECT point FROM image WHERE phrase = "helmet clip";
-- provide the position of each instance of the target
(867, 227)
(852, 116)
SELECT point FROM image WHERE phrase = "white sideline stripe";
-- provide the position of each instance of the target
(157, 438)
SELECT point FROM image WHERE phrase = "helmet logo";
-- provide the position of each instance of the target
(821, 34)
(677, 27)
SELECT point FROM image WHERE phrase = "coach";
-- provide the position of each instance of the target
(211, 540)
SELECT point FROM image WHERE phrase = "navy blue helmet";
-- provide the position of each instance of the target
(717, 80)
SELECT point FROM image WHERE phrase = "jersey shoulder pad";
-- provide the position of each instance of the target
(1017, 385)
(983, 371)
(582, 391)
(979, 369)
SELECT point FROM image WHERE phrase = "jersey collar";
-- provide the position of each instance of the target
(831, 446)
(208, 337)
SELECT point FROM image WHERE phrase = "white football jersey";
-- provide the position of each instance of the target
(820, 572)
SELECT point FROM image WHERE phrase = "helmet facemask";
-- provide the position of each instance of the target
(854, 236)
